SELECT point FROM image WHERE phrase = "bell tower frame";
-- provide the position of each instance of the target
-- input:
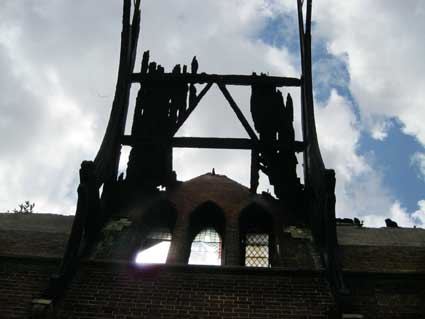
(165, 101)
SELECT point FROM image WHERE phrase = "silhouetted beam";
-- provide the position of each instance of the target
(216, 78)
(213, 142)
(204, 142)
(191, 108)
(197, 142)
(238, 112)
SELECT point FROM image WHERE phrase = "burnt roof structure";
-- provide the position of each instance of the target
(268, 256)
(166, 100)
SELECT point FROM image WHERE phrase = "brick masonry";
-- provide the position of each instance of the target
(379, 296)
(385, 277)
(111, 290)
(21, 280)
(383, 258)
(32, 243)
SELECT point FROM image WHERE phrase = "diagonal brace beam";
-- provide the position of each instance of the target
(238, 112)
(192, 107)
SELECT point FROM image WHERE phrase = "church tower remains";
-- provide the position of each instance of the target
(208, 247)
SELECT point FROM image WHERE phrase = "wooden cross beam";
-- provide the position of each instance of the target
(204, 142)
(201, 78)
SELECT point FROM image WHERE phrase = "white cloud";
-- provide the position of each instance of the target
(419, 215)
(418, 159)
(400, 215)
(360, 191)
(59, 59)
(338, 134)
(379, 129)
(54, 67)
(385, 50)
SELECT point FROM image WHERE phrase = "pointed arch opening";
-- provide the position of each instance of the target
(206, 231)
(257, 240)
(156, 229)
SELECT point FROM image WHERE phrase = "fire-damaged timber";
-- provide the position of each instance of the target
(228, 79)
(207, 142)
(165, 100)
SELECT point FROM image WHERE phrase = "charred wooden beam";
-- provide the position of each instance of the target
(203, 142)
(192, 107)
(255, 167)
(213, 142)
(195, 142)
(238, 112)
(217, 78)
(107, 158)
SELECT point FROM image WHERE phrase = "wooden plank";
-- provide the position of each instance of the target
(219, 79)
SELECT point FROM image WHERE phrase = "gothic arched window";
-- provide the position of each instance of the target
(156, 233)
(257, 237)
(155, 247)
(206, 231)
(206, 248)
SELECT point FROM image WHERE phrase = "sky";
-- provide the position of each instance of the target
(59, 59)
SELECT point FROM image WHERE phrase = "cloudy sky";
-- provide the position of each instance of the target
(58, 62)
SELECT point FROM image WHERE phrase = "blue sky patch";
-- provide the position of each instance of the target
(393, 157)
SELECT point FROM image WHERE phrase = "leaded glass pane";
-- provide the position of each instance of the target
(206, 248)
(160, 233)
(257, 250)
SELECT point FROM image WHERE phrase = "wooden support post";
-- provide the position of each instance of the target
(254, 172)
(107, 158)
(304, 120)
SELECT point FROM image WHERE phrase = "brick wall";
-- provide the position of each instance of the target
(112, 290)
(299, 254)
(383, 258)
(389, 296)
(32, 243)
(21, 280)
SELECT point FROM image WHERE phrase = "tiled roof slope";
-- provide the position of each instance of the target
(363, 236)
(382, 249)
(40, 235)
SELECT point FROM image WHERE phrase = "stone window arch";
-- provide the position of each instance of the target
(206, 234)
(257, 237)
(156, 229)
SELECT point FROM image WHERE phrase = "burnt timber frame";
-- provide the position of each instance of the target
(319, 188)
(208, 142)
(319, 181)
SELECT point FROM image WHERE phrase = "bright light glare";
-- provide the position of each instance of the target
(156, 254)
(204, 254)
